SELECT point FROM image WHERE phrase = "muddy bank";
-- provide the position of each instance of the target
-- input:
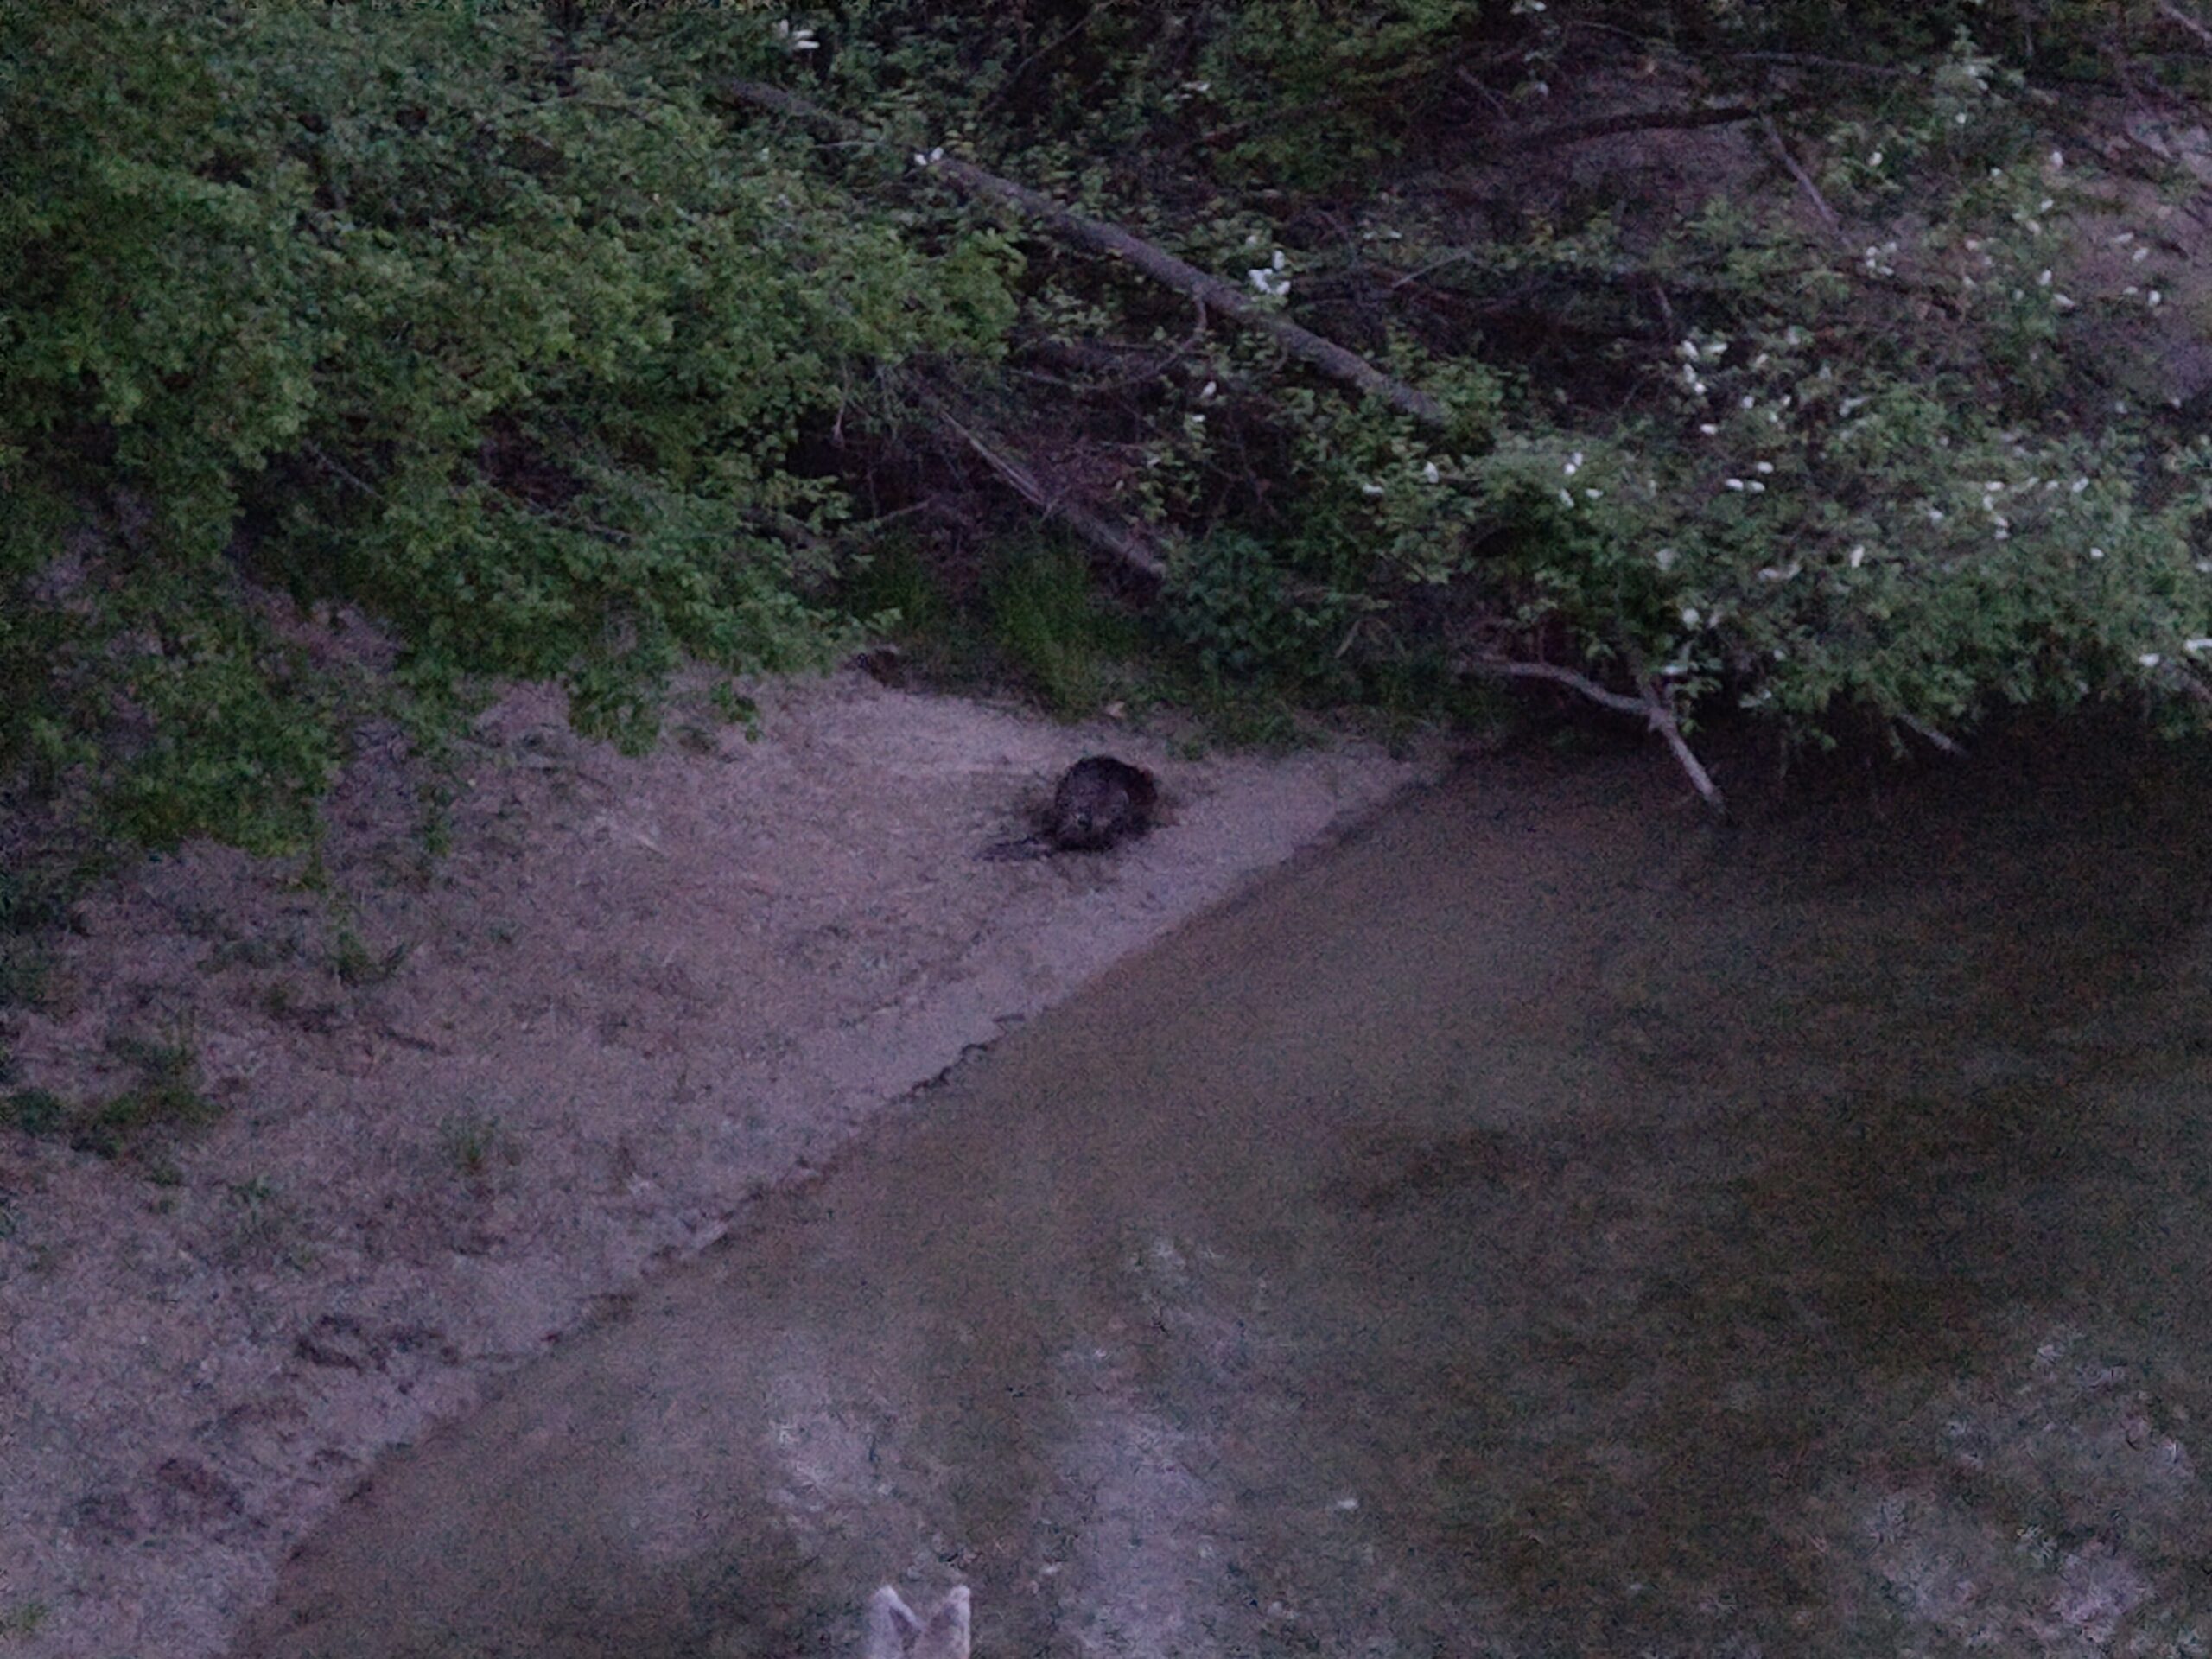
(1543, 1225)
(465, 1100)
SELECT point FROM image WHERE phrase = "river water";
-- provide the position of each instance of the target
(1545, 1223)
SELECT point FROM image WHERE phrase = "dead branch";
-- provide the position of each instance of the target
(1930, 735)
(1155, 261)
(1127, 546)
(1650, 707)
(1608, 126)
(1812, 61)
(2167, 9)
(1805, 179)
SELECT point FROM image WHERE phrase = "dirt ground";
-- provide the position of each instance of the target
(465, 1101)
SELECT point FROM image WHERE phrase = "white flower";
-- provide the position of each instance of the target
(1857, 555)
(1688, 349)
(1749, 401)
(2058, 158)
(1765, 465)
(2153, 297)
(1708, 428)
(1935, 515)
(2150, 659)
(2140, 256)
(1430, 473)
(1208, 390)
(2198, 645)
(1594, 495)
(2096, 552)
(1756, 488)
(1567, 498)
(1733, 483)
(2078, 486)
(1370, 489)
(2062, 302)
(1875, 160)
(1689, 616)
(1664, 558)
(2043, 279)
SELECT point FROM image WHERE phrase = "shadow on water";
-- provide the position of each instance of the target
(1540, 1225)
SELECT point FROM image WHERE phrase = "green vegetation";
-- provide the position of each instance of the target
(472, 1142)
(163, 1097)
(24, 1619)
(352, 355)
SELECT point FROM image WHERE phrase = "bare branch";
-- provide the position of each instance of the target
(1154, 261)
(1651, 706)
(1805, 179)
(1608, 126)
(2168, 9)
(1928, 734)
(1582, 684)
(1124, 545)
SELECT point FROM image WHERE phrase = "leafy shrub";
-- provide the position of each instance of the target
(396, 308)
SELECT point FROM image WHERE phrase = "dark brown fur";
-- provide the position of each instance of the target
(1099, 803)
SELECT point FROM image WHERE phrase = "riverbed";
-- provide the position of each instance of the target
(1546, 1222)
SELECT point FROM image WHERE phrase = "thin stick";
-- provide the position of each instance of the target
(1805, 179)
(1928, 734)
(1609, 126)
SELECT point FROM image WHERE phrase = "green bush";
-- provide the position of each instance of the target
(397, 310)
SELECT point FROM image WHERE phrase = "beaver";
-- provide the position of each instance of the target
(1098, 802)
